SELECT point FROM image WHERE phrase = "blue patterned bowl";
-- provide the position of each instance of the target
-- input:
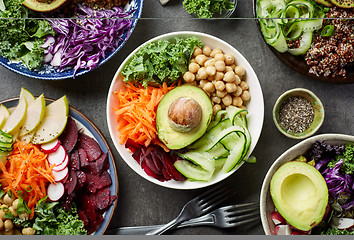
(47, 72)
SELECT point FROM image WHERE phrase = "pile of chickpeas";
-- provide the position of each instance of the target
(219, 76)
(7, 227)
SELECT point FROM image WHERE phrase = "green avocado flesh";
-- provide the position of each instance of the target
(300, 194)
(39, 6)
(325, 2)
(343, 3)
(167, 132)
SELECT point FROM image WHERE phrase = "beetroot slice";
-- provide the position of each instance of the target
(90, 146)
(151, 173)
(98, 166)
(101, 198)
(150, 163)
(83, 217)
(81, 178)
(70, 135)
(83, 158)
(95, 182)
(132, 146)
(74, 160)
(70, 185)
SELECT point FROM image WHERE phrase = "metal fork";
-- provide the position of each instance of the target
(224, 217)
(195, 208)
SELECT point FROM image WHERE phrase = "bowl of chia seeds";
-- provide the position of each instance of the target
(298, 113)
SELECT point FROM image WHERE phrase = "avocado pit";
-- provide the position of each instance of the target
(184, 114)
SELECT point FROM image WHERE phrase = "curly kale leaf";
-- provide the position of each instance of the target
(207, 8)
(348, 160)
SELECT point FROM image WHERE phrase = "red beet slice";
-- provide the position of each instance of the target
(81, 178)
(83, 158)
(70, 185)
(166, 173)
(132, 146)
(83, 217)
(90, 146)
(75, 160)
(95, 182)
(150, 163)
(177, 176)
(101, 198)
(157, 162)
(98, 166)
(70, 135)
(151, 173)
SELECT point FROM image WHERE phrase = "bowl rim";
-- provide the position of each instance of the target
(170, 35)
(283, 158)
(281, 99)
(114, 165)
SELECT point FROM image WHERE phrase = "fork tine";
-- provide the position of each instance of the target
(241, 211)
(246, 205)
(243, 217)
(239, 223)
(207, 204)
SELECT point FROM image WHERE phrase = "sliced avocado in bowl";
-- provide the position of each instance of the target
(300, 194)
(183, 116)
(45, 5)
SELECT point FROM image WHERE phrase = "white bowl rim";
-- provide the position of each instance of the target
(260, 110)
(281, 159)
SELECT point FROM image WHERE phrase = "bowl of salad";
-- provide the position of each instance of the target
(58, 176)
(55, 45)
(309, 188)
(312, 37)
(185, 110)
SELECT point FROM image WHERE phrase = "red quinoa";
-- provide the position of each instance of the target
(329, 55)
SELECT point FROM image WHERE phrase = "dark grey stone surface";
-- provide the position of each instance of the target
(144, 203)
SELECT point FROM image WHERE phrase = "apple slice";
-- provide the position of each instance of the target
(53, 122)
(27, 95)
(4, 113)
(34, 115)
(55, 191)
(16, 118)
(27, 138)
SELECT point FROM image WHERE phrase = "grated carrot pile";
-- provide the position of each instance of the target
(136, 114)
(26, 170)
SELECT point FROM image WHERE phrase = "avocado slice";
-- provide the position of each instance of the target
(343, 3)
(300, 194)
(325, 2)
(44, 5)
(183, 116)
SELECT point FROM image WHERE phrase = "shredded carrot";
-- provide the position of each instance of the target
(26, 170)
(136, 113)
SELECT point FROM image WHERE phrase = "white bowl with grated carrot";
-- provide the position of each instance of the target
(131, 113)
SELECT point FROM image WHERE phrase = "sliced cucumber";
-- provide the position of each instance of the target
(305, 44)
(192, 171)
(236, 153)
(202, 159)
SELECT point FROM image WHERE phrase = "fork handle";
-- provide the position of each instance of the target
(165, 227)
(142, 230)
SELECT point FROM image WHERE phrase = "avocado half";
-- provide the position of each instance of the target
(173, 137)
(300, 194)
(44, 6)
(343, 3)
(325, 2)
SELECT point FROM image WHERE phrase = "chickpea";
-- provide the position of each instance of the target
(210, 70)
(220, 66)
(202, 83)
(237, 101)
(228, 69)
(188, 77)
(243, 107)
(192, 60)
(244, 85)
(229, 59)
(229, 77)
(24, 216)
(216, 99)
(219, 85)
(8, 200)
(201, 59)
(209, 87)
(1, 224)
(240, 71)
(233, 66)
(215, 51)
(216, 108)
(197, 51)
(245, 95)
(206, 51)
(211, 78)
(28, 231)
(13, 211)
(15, 203)
(238, 91)
(227, 100)
(219, 76)
(219, 57)
(202, 74)
(220, 94)
(230, 87)
(192, 83)
(8, 225)
(210, 62)
(193, 67)
(238, 79)
(2, 214)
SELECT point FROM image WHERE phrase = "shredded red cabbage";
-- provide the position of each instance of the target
(82, 41)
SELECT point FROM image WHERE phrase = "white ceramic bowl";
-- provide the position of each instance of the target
(266, 202)
(255, 108)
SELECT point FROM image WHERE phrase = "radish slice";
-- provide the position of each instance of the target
(277, 218)
(58, 176)
(57, 157)
(61, 166)
(282, 230)
(51, 146)
(345, 223)
(55, 191)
